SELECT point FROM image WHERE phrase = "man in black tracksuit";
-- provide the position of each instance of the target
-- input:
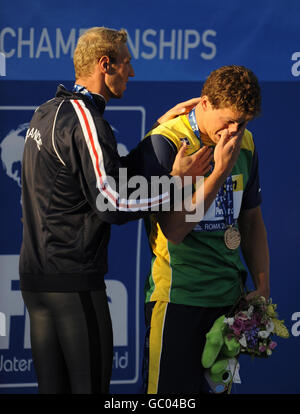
(71, 193)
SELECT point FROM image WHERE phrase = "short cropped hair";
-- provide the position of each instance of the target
(234, 87)
(94, 43)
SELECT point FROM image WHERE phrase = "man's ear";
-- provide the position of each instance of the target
(104, 64)
(206, 105)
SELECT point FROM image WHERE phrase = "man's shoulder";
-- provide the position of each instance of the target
(177, 130)
(172, 126)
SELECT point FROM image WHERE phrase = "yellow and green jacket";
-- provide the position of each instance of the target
(201, 270)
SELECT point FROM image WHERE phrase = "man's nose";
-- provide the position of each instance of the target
(131, 72)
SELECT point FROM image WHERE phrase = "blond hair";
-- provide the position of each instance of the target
(94, 43)
(234, 87)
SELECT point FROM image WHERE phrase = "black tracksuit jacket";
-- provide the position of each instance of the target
(71, 167)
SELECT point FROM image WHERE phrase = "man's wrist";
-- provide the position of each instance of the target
(218, 175)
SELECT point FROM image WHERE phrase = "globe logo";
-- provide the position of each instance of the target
(12, 147)
(11, 152)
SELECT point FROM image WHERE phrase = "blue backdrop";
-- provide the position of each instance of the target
(174, 47)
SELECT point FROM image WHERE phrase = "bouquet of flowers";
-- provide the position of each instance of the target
(253, 325)
(248, 329)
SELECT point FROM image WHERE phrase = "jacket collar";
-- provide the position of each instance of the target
(98, 100)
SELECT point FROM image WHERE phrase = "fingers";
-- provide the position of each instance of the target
(184, 107)
(206, 166)
(192, 101)
(229, 142)
(188, 105)
(224, 137)
(235, 143)
(182, 149)
(202, 160)
(179, 109)
(252, 295)
(203, 154)
(233, 138)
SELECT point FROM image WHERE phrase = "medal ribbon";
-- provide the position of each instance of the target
(194, 125)
(224, 198)
(81, 89)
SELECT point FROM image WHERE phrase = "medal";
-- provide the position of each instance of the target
(232, 238)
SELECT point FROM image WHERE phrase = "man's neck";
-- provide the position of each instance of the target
(94, 85)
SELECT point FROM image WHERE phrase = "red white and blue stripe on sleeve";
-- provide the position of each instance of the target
(91, 137)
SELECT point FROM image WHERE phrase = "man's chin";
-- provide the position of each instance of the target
(116, 96)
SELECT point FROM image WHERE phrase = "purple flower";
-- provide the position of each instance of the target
(251, 337)
(237, 326)
(257, 318)
(248, 325)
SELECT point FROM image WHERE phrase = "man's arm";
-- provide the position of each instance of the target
(255, 249)
(92, 156)
(174, 224)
